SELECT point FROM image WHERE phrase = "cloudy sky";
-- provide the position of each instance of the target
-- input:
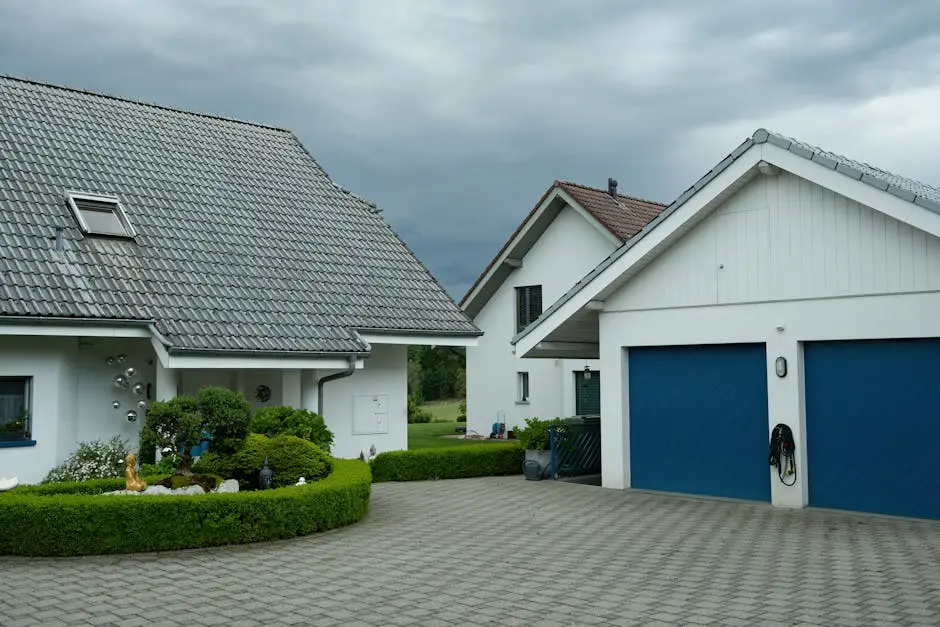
(456, 115)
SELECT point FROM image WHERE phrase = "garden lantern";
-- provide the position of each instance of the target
(266, 476)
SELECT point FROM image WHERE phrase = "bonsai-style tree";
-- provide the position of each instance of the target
(174, 427)
(226, 416)
(177, 425)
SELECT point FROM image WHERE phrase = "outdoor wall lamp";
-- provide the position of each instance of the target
(587, 372)
(781, 366)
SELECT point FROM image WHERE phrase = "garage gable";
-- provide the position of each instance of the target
(829, 190)
(782, 237)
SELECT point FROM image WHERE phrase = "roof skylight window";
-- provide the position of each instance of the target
(100, 215)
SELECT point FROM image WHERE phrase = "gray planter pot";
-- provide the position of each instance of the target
(544, 458)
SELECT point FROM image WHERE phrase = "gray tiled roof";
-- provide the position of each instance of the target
(243, 241)
(927, 196)
(914, 191)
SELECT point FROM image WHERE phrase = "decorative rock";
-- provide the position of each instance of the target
(229, 485)
(162, 490)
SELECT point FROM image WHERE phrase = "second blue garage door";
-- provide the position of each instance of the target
(873, 425)
(698, 420)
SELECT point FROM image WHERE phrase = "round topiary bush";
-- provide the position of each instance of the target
(63, 519)
(283, 420)
(290, 458)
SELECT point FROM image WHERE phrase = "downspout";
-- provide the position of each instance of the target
(159, 336)
(333, 377)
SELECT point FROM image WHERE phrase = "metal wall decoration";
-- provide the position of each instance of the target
(127, 380)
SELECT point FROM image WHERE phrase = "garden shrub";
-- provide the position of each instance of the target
(171, 426)
(177, 425)
(92, 460)
(289, 457)
(63, 519)
(283, 420)
(212, 463)
(536, 434)
(166, 466)
(416, 413)
(483, 460)
(226, 415)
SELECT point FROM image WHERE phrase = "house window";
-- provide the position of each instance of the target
(523, 387)
(14, 409)
(100, 215)
(528, 305)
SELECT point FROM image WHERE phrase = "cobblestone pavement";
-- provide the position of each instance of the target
(506, 551)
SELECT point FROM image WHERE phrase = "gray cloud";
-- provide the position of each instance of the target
(456, 116)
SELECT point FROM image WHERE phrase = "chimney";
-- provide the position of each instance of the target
(612, 187)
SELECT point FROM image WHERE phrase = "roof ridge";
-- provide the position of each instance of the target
(604, 191)
(154, 105)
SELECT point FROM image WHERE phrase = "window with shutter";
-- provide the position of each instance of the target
(528, 305)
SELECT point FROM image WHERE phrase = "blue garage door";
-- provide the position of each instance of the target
(698, 420)
(872, 426)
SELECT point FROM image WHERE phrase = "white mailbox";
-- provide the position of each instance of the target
(370, 413)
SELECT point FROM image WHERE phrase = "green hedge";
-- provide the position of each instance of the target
(75, 519)
(457, 462)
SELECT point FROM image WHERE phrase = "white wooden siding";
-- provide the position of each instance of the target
(782, 238)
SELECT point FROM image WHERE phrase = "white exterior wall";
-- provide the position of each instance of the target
(568, 250)
(385, 375)
(73, 390)
(93, 415)
(50, 363)
(782, 262)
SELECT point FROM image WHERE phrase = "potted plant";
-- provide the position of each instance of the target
(535, 438)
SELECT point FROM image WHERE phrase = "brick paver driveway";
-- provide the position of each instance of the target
(510, 552)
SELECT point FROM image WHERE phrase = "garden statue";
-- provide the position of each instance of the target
(131, 481)
(266, 477)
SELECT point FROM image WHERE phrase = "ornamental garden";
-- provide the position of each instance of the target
(207, 472)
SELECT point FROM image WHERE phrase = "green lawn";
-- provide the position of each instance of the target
(443, 411)
(429, 435)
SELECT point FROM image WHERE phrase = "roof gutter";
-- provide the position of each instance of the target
(333, 377)
(159, 337)
(77, 321)
(420, 332)
(250, 352)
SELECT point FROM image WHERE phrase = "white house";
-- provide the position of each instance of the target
(568, 232)
(147, 252)
(789, 285)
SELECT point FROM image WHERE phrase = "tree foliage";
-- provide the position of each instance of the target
(176, 425)
(436, 373)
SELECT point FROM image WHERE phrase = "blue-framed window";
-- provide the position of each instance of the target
(15, 409)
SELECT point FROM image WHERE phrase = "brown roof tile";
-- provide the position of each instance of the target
(624, 216)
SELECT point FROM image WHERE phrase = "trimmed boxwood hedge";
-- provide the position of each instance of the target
(62, 519)
(451, 462)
